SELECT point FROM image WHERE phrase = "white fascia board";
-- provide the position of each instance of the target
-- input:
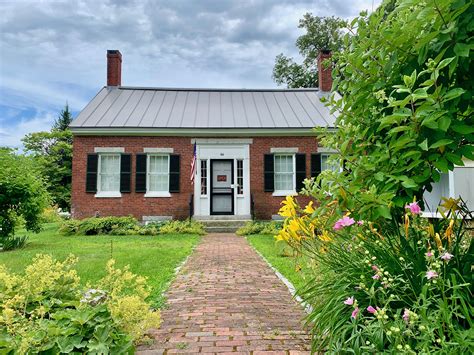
(193, 132)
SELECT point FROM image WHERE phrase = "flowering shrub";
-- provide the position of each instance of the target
(392, 286)
(46, 310)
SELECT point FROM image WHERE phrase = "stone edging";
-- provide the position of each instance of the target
(307, 308)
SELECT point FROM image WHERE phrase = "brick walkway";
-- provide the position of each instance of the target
(227, 299)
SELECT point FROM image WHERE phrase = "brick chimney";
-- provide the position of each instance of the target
(324, 72)
(114, 67)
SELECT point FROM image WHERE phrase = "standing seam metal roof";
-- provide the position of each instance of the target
(136, 107)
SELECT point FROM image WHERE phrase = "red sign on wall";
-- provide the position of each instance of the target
(222, 178)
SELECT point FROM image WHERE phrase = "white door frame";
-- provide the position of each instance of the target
(235, 149)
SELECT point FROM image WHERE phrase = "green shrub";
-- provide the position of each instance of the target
(12, 243)
(188, 226)
(254, 227)
(104, 225)
(46, 310)
(128, 226)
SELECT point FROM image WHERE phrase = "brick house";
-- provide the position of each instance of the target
(134, 147)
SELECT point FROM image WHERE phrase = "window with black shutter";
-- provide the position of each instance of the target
(91, 173)
(125, 172)
(268, 173)
(140, 173)
(174, 173)
(315, 165)
(300, 162)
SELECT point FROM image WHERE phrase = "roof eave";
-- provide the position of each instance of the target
(192, 132)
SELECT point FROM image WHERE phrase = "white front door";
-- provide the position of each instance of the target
(222, 181)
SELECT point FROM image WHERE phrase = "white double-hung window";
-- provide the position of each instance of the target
(285, 181)
(108, 179)
(328, 164)
(158, 170)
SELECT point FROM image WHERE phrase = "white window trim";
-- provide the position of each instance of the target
(284, 151)
(109, 150)
(286, 192)
(199, 176)
(106, 194)
(159, 150)
(328, 154)
(156, 193)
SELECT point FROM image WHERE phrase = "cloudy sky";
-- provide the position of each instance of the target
(53, 52)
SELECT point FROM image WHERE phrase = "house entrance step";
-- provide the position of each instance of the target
(223, 225)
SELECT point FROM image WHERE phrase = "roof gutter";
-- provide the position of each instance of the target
(193, 132)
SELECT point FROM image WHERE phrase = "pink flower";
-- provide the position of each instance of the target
(446, 256)
(355, 312)
(376, 277)
(360, 223)
(414, 208)
(371, 309)
(349, 301)
(431, 274)
(375, 268)
(406, 315)
(429, 254)
(343, 222)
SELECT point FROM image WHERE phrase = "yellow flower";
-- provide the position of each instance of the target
(324, 236)
(449, 231)
(438, 241)
(309, 208)
(289, 207)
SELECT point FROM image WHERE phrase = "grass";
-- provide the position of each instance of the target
(155, 257)
(294, 268)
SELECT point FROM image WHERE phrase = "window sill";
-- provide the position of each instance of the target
(284, 193)
(108, 195)
(158, 194)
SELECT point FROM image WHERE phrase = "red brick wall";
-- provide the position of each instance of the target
(86, 205)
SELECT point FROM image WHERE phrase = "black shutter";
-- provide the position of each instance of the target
(268, 173)
(300, 162)
(140, 173)
(125, 172)
(315, 165)
(91, 173)
(174, 173)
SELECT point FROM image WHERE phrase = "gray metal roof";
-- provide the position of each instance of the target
(136, 107)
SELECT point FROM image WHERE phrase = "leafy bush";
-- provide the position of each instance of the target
(22, 193)
(45, 309)
(12, 243)
(254, 227)
(128, 226)
(188, 226)
(390, 287)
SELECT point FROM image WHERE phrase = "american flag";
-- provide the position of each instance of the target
(193, 165)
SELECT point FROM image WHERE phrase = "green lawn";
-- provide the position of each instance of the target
(153, 256)
(281, 257)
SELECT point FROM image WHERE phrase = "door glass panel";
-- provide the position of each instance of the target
(221, 187)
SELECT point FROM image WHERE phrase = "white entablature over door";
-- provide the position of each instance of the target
(217, 153)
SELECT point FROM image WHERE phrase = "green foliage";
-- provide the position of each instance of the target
(406, 113)
(45, 309)
(416, 277)
(128, 226)
(22, 193)
(14, 242)
(53, 152)
(188, 226)
(320, 33)
(254, 227)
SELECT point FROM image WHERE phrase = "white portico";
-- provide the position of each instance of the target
(222, 182)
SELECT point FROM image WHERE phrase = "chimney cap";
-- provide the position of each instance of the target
(113, 52)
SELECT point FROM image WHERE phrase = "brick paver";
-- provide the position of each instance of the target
(227, 299)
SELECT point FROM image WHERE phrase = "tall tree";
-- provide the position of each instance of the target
(320, 33)
(53, 151)
(63, 120)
